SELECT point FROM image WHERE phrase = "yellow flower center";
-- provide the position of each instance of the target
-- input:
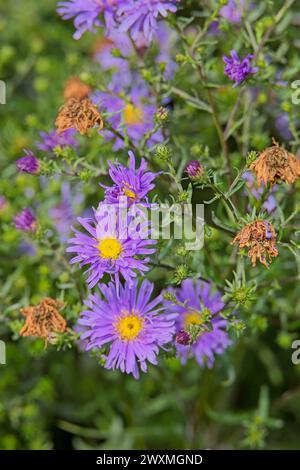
(109, 248)
(129, 326)
(127, 191)
(192, 318)
(133, 115)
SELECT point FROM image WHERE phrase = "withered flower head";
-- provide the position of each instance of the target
(260, 237)
(275, 164)
(75, 88)
(43, 319)
(77, 114)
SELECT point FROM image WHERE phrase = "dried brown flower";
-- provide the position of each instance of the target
(260, 237)
(77, 114)
(75, 88)
(43, 319)
(275, 164)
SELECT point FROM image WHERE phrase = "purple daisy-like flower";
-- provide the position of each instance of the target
(29, 163)
(130, 182)
(233, 11)
(129, 323)
(86, 14)
(131, 112)
(197, 297)
(25, 221)
(141, 16)
(110, 246)
(238, 69)
(51, 140)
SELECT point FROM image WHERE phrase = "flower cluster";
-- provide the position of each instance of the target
(134, 16)
(125, 320)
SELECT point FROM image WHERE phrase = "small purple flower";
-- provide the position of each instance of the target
(86, 14)
(110, 248)
(195, 298)
(130, 182)
(29, 163)
(182, 337)
(129, 323)
(238, 69)
(233, 11)
(51, 140)
(25, 221)
(141, 16)
(194, 169)
(131, 113)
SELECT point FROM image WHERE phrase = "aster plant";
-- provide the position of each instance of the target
(175, 111)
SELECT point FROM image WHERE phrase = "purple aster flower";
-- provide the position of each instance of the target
(141, 16)
(29, 163)
(197, 297)
(194, 169)
(233, 11)
(238, 69)
(130, 182)
(109, 247)
(51, 140)
(257, 191)
(25, 221)
(131, 112)
(86, 14)
(129, 323)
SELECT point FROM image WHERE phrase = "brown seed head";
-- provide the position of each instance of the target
(260, 237)
(77, 114)
(43, 319)
(276, 164)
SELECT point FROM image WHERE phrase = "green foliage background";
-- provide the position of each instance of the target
(62, 398)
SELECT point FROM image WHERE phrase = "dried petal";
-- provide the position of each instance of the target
(276, 164)
(77, 114)
(260, 237)
(43, 319)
